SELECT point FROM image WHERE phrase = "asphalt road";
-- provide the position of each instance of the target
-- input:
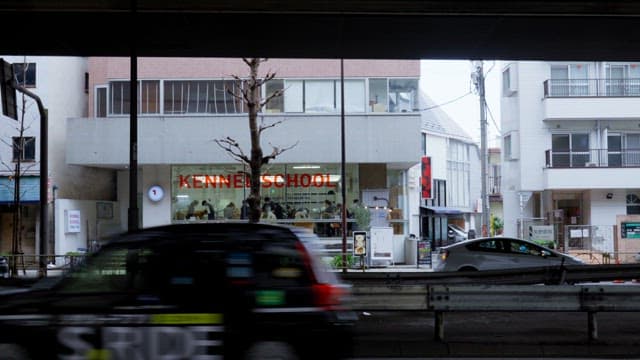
(515, 334)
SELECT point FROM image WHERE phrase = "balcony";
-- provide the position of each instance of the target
(585, 99)
(592, 158)
(592, 169)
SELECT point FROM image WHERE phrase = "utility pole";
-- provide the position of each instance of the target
(478, 79)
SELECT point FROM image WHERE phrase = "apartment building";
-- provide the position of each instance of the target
(571, 152)
(61, 84)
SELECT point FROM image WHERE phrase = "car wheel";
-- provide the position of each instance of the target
(13, 352)
(275, 350)
(468, 268)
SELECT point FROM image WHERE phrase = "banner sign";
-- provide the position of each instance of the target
(425, 178)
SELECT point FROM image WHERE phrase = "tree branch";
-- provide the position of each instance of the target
(232, 148)
(264, 127)
(276, 152)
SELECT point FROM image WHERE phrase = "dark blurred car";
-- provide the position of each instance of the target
(494, 253)
(188, 291)
(4, 267)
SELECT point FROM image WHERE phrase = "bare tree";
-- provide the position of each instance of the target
(250, 94)
(18, 169)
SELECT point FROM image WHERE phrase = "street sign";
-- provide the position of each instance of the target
(7, 91)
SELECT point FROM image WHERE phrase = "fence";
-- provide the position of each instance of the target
(28, 265)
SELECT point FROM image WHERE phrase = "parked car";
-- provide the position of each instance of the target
(186, 291)
(455, 234)
(492, 253)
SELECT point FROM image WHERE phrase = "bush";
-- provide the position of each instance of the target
(336, 262)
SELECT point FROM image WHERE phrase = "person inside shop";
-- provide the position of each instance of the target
(268, 214)
(229, 210)
(211, 213)
(191, 210)
(328, 213)
(244, 210)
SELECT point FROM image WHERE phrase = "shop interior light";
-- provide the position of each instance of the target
(182, 196)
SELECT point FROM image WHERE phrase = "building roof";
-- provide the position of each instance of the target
(436, 121)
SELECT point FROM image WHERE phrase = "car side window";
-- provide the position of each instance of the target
(520, 247)
(492, 245)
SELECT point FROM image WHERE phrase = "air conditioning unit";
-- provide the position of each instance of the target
(591, 164)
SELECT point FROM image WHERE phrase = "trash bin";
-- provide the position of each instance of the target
(410, 250)
(471, 234)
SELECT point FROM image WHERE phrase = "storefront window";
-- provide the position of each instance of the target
(300, 190)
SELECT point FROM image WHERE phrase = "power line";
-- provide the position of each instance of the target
(492, 119)
(445, 103)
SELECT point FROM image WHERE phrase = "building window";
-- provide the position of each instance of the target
(570, 80)
(508, 83)
(458, 174)
(633, 204)
(393, 95)
(25, 74)
(101, 101)
(570, 150)
(202, 97)
(148, 97)
(507, 147)
(424, 144)
(623, 79)
(24, 149)
(378, 95)
(276, 104)
(403, 95)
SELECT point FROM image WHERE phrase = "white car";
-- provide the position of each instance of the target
(494, 253)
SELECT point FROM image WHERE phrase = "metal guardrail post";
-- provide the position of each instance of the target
(592, 325)
(438, 325)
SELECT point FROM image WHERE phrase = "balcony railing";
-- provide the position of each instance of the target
(494, 185)
(593, 158)
(591, 87)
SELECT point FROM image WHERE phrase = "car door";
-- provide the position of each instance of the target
(487, 254)
(140, 301)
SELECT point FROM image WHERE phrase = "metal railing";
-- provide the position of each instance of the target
(591, 88)
(592, 158)
(441, 299)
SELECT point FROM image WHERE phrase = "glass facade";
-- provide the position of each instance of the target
(307, 195)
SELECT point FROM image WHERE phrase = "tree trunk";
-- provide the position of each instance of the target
(255, 165)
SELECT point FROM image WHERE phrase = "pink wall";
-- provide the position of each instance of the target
(102, 69)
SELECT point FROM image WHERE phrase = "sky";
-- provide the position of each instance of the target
(446, 80)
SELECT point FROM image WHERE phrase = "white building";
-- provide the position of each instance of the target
(454, 161)
(571, 151)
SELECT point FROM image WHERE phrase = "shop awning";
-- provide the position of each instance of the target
(442, 210)
(29, 190)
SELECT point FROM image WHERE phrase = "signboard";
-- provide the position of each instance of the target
(541, 232)
(359, 243)
(7, 91)
(630, 230)
(425, 178)
(72, 221)
(382, 243)
(424, 252)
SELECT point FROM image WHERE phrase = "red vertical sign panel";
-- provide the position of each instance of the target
(425, 179)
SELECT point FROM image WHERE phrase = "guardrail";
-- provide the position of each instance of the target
(441, 299)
